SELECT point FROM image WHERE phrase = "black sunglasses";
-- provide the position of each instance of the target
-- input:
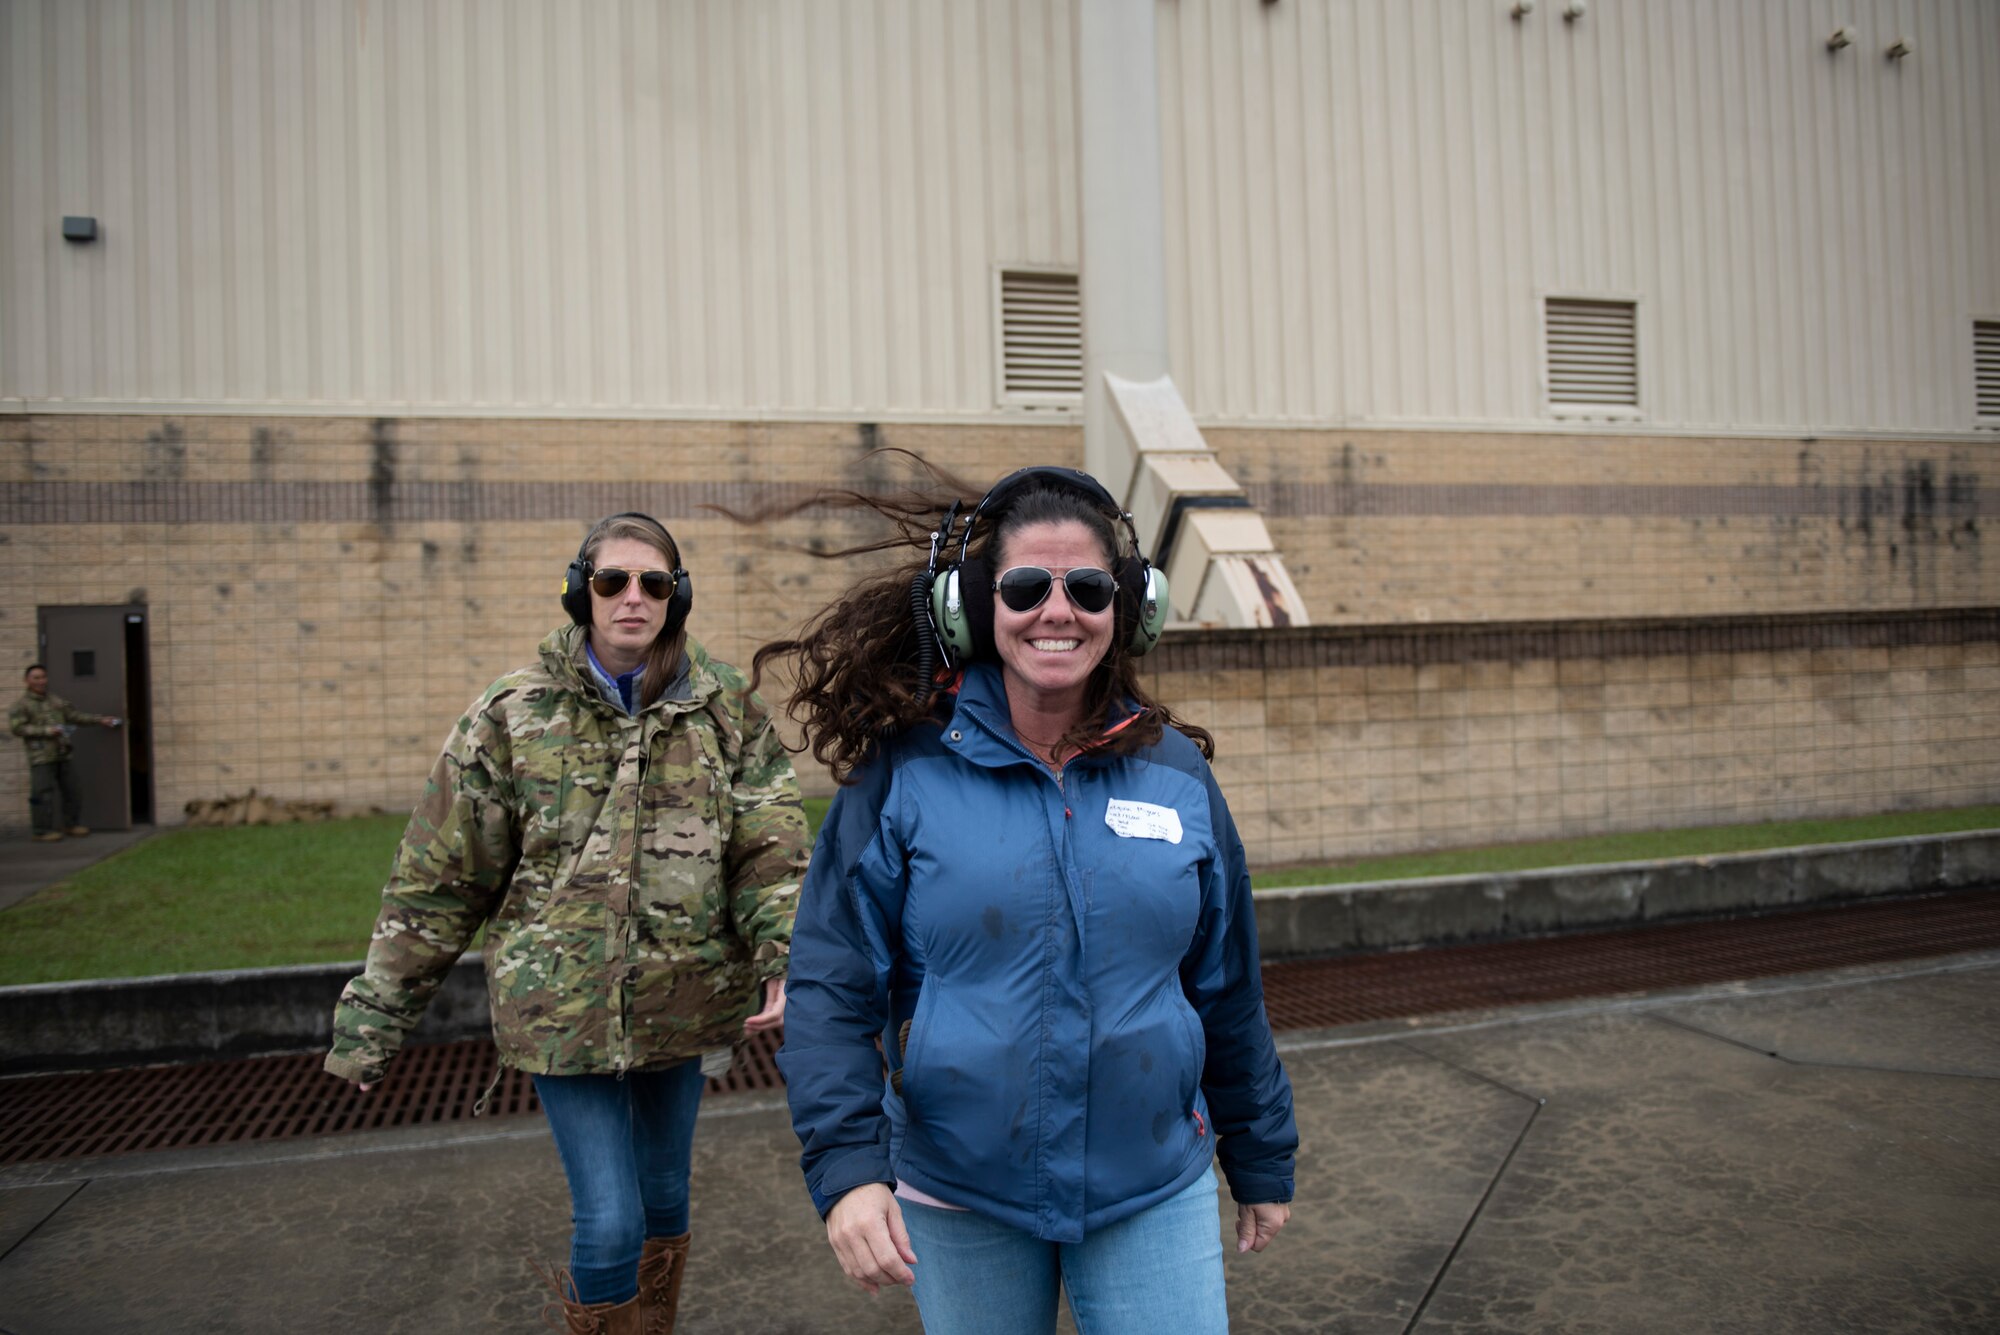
(610, 581)
(1024, 588)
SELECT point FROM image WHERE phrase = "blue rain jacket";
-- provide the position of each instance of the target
(1086, 1014)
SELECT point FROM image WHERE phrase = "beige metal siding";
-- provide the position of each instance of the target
(722, 207)
(1368, 203)
(788, 205)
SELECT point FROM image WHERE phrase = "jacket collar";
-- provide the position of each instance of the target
(564, 657)
(981, 729)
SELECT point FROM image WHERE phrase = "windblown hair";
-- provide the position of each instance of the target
(858, 665)
(663, 656)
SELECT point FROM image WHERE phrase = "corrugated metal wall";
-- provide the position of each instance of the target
(1368, 203)
(795, 206)
(727, 207)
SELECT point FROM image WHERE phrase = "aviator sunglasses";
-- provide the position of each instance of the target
(1024, 588)
(610, 581)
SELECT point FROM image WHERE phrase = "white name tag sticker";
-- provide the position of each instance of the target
(1143, 820)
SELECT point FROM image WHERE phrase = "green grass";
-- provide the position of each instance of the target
(1698, 842)
(185, 900)
(300, 894)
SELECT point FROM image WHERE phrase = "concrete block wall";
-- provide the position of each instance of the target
(325, 597)
(1392, 527)
(327, 594)
(1338, 742)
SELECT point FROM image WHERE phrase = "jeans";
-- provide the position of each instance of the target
(52, 791)
(1158, 1272)
(626, 1144)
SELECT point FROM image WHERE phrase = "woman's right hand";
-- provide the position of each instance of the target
(865, 1228)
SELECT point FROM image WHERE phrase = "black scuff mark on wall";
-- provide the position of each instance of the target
(165, 457)
(1961, 510)
(1919, 524)
(381, 470)
(264, 444)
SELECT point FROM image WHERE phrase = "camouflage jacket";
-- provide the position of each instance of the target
(39, 721)
(636, 876)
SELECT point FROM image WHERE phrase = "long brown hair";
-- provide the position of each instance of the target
(858, 665)
(663, 656)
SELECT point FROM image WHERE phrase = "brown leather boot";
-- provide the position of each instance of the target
(660, 1267)
(589, 1318)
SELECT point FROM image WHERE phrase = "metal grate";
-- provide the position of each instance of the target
(1593, 353)
(277, 1098)
(1357, 988)
(89, 1113)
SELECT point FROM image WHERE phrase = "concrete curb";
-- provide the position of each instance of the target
(206, 1016)
(237, 1013)
(1446, 910)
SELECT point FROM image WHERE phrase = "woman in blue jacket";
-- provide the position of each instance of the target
(1030, 891)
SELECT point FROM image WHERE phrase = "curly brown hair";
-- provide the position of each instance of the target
(865, 667)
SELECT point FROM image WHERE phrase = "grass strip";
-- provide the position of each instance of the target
(1637, 846)
(251, 897)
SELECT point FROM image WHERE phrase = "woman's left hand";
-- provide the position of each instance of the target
(1256, 1225)
(773, 1014)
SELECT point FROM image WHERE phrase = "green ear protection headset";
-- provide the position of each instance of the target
(576, 579)
(959, 597)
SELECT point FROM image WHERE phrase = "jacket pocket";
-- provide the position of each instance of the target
(969, 1110)
(1197, 1050)
(913, 1032)
(546, 981)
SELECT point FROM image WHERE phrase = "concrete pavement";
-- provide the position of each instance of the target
(27, 865)
(1630, 1165)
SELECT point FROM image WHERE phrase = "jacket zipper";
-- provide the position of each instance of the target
(631, 911)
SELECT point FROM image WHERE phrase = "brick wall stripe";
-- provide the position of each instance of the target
(1417, 646)
(180, 501)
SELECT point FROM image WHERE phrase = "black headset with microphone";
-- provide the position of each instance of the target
(576, 579)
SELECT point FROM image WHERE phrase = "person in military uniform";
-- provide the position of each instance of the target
(45, 722)
(624, 822)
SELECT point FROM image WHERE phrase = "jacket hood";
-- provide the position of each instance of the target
(563, 659)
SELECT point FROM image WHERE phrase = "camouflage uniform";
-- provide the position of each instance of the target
(637, 876)
(43, 722)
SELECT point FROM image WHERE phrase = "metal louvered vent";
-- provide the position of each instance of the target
(1986, 370)
(1041, 336)
(1593, 354)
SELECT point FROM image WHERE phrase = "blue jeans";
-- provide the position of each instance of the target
(1157, 1273)
(625, 1146)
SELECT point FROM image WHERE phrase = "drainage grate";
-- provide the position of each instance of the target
(89, 1113)
(278, 1098)
(1310, 994)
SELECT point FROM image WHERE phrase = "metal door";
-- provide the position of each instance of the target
(84, 648)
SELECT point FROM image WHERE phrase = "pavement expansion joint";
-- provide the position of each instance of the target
(1810, 1064)
(1501, 1085)
(51, 1213)
(1697, 1030)
(1472, 1221)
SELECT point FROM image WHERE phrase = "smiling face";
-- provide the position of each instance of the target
(1048, 653)
(38, 682)
(623, 627)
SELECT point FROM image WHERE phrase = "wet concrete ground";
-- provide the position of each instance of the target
(1806, 1154)
(27, 865)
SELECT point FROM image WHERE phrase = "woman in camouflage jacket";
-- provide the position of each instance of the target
(624, 822)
